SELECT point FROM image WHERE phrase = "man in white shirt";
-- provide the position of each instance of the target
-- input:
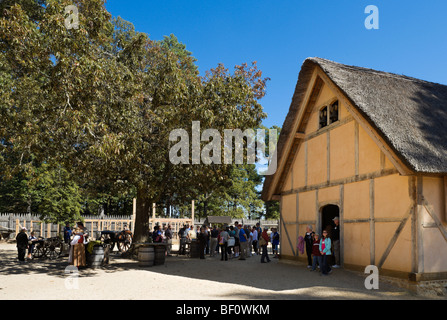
(255, 240)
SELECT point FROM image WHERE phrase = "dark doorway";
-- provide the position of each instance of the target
(328, 213)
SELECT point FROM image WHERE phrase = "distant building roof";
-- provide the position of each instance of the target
(218, 219)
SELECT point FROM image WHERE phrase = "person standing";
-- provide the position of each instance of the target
(275, 242)
(243, 241)
(255, 240)
(77, 248)
(316, 252)
(335, 237)
(230, 246)
(308, 238)
(263, 242)
(201, 238)
(157, 236)
(236, 247)
(31, 244)
(67, 233)
(223, 242)
(22, 244)
(325, 251)
(213, 241)
(168, 239)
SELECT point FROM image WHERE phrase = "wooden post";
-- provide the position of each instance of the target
(192, 212)
(49, 230)
(134, 214)
(153, 211)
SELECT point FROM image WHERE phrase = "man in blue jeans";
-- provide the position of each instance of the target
(243, 242)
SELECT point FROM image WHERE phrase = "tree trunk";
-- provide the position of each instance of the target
(144, 204)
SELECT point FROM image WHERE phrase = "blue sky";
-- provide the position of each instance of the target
(280, 35)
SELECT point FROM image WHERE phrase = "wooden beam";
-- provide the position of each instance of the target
(300, 135)
(435, 219)
(372, 225)
(285, 228)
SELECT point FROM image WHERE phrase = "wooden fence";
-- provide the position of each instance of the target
(96, 224)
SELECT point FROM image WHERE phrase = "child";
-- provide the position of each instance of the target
(325, 250)
(316, 252)
(31, 244)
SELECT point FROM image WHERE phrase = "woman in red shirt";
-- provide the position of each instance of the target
(264, 241)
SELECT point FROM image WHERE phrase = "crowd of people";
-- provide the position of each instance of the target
(323, 252)
(230, 241)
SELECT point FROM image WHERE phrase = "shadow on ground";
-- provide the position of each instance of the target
(276, 280)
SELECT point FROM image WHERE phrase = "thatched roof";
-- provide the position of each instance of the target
(409, 114)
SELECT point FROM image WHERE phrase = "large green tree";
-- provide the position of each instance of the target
(102, 100)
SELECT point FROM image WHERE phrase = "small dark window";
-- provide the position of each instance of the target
(323, 117)
(333, 116)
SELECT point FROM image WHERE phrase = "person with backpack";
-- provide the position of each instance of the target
(157, 236)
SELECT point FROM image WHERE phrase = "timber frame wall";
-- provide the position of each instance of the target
(401, 215)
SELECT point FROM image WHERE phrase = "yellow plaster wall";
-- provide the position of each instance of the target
(391, 196)
(356, 243)
(342, 151)
(299, 168)
(288, 209)
(369, 153)
(307, 206)
(433, 191)
(288, 182)
(317, 160)
(329, 195)
(286, 248)
(356, 203)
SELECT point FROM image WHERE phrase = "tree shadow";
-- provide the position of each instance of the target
(272, 281)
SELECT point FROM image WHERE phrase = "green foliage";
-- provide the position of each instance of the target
(58, 196)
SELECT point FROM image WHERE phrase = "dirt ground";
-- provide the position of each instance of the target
(182, 278)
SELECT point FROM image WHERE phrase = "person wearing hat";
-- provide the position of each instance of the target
(22, 244)
(335, 235)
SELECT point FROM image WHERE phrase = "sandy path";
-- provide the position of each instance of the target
(182, 278)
